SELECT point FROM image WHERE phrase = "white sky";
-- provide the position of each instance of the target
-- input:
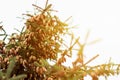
(102, 17)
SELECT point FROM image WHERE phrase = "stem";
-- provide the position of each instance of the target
(92, 59)
(46, 3)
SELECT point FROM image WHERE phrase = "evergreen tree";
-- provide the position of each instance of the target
(41, 40)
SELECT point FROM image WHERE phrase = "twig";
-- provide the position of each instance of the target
(40, 9)
(91, 59)
(46, 3)
(68, 19)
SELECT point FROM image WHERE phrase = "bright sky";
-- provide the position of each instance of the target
(102, 17)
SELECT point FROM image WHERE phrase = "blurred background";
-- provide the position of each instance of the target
(100, 17)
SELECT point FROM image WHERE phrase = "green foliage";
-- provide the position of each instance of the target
(7, 74)
(41, 40)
